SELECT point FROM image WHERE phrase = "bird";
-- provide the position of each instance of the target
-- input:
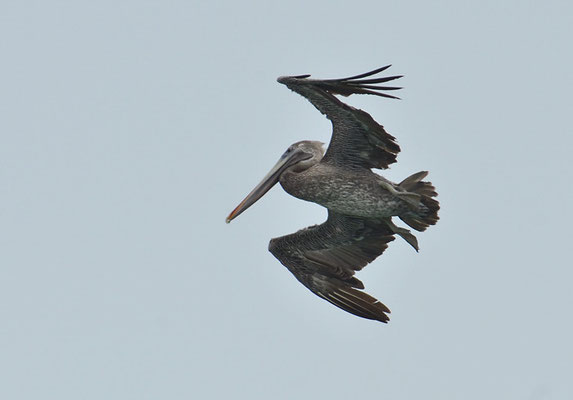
(361, 204)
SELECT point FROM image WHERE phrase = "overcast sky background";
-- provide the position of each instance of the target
(130, 129)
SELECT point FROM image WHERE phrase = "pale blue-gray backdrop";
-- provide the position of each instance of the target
(129, 130)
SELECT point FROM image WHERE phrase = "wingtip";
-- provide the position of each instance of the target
(358, 303)
(366, 74)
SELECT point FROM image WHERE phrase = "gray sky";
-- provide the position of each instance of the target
(130, 129)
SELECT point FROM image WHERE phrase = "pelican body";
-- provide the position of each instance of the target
(360, 203)
(358, 193)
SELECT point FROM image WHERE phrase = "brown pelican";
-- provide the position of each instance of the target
(360, 203)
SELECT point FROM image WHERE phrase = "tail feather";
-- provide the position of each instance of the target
(427, 191)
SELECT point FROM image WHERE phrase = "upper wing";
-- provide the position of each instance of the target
(357, 140)
(324, 258)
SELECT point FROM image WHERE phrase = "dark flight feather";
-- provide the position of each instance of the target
(357, 139)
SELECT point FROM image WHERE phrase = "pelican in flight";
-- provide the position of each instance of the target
(360, 203)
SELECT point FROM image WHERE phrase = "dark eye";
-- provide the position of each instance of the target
(288, 151)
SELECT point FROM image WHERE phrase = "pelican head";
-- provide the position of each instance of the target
(297, 158)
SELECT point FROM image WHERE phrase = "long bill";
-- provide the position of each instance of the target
(271, 179)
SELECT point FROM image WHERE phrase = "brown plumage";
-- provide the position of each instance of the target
(360, 203)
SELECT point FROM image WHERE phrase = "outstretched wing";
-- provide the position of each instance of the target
(324, 258)
(357, 140)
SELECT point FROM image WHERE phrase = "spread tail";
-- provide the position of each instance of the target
(429, 215)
